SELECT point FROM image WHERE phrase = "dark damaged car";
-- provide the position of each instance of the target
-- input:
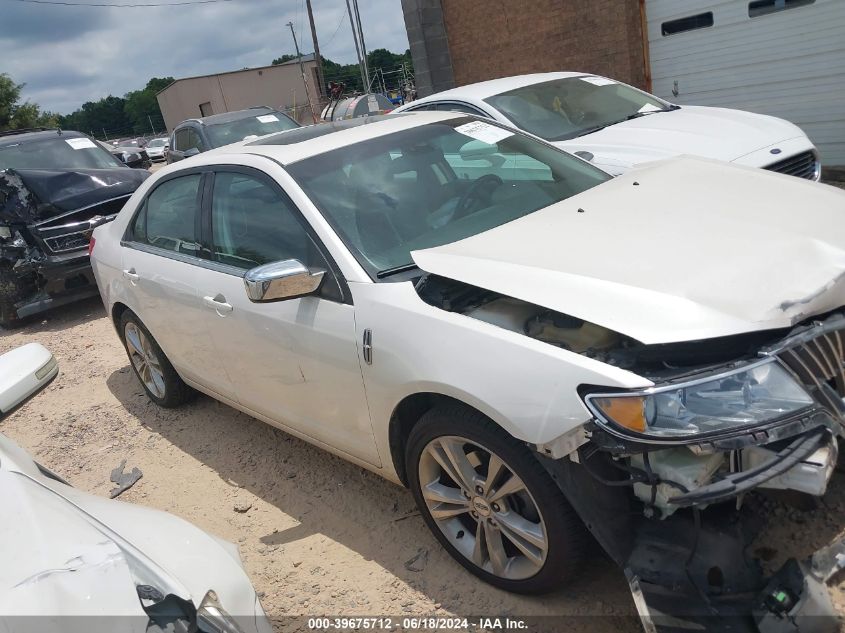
(55, 187)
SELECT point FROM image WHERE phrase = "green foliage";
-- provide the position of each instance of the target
(284, 58)
(121, 116)
(350, 74)
(15, 115)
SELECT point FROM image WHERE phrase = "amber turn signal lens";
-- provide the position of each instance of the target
(625, 411)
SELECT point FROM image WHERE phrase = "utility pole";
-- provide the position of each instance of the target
(105, 135)
(317, 57)
(363, 47)
(152, 127)
(302, 72)
(357, 48)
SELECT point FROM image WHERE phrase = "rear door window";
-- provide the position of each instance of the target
(168, 219)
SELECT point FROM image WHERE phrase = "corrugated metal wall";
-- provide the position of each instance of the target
(788, 63)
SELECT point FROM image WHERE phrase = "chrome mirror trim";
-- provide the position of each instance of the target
(282, 280)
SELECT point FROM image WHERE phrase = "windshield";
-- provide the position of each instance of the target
(435, 184)
(259, 125)
(57, 153)
(157, 142)
(565, 108)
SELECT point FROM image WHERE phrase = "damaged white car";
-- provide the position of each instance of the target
(76, 562)
(538, 350)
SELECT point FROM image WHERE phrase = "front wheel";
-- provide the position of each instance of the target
(491, 504)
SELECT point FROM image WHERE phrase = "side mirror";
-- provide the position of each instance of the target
(277, 281)
(190, 152)
(24, 371)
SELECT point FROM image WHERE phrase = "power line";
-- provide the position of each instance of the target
(121, 6)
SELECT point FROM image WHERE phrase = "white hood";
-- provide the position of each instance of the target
(700, 131)
(698, 249)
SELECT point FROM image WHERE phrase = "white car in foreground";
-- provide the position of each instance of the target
(617, 126)
(72, 561)
(529, 344)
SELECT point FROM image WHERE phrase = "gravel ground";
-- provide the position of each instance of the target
(318, 536)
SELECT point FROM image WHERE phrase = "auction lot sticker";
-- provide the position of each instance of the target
(484, 132)
(80, 143)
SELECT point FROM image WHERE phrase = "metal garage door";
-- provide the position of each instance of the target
(780, 57)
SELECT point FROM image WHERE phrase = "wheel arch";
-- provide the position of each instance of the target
(407, 413)
(117, 311)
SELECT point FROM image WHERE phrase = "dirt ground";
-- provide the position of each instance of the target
(318, 536)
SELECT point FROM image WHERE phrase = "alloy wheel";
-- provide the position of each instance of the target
(144, 359)
(483, 508)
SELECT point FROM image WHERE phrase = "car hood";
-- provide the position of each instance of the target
(701, 131)
(58, 564)
(34, 195)
(73, 553)
(680, 250)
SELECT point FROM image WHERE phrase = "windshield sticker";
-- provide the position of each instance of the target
(483, 132)
(80, 143)
(649, 107)
(598, 81)
(267, 118)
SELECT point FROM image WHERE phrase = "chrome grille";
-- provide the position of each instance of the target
(819, 362)
(803, 165)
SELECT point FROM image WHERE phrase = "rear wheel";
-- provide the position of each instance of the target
(161, 382)
(491, 504)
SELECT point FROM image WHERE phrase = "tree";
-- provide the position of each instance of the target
(10, 92)
(15, 115)
(284, 58)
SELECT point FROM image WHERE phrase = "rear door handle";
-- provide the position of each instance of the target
(131, 275)
(218, 304)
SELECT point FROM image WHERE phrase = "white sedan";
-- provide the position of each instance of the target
(529, 344)
(74, 562)
(616, 126)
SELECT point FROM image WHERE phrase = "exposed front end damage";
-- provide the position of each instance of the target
(674, 481)
(46, 219)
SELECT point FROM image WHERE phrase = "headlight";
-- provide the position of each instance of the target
(744, 397)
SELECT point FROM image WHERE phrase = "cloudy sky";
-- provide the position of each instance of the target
(67, 55)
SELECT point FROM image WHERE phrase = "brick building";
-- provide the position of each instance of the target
(785, 58)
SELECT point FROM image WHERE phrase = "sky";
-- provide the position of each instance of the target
(67, 55)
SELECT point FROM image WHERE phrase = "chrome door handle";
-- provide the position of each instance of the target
(218, 304)
(131, 275)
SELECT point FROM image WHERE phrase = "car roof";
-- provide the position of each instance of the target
(225, 117)
(14, 138)
(484, 89)
(298, 144)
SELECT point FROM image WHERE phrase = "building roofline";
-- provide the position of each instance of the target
(305, 60)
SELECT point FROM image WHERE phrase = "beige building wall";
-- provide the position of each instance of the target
(279, 87)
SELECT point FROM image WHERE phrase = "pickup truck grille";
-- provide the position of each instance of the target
(819, 362)
(803, 165)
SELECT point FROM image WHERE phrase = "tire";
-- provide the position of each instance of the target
(152, 368)
(454, 428)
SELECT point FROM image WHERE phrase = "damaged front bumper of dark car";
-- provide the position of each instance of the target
(46, 220)
(668, 481)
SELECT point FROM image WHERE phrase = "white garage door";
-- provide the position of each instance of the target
(780, 57)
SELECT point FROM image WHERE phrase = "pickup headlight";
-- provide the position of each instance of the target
(743, 397)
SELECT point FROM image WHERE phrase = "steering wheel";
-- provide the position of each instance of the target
(464, 204)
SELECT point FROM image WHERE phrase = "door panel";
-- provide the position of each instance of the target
(294, 361)
(160, 269)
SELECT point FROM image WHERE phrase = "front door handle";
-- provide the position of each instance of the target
(218, 304)
(131, 275)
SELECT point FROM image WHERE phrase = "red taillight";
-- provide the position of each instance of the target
(91, 245)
